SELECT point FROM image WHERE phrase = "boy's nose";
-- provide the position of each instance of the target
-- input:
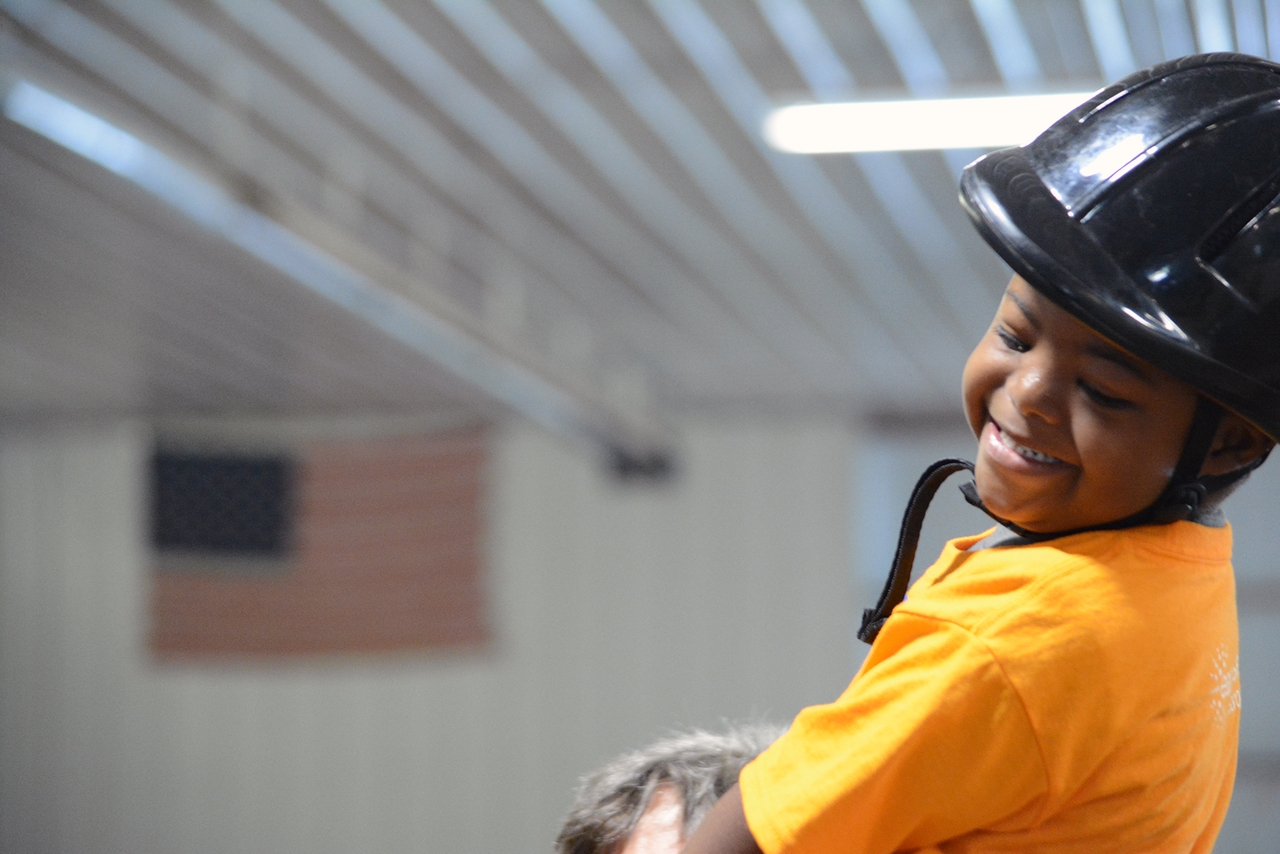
(1036, 391)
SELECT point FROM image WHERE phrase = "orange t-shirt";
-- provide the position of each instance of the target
(1077, 695)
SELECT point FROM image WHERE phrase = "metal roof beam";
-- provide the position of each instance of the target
(724, 270)
(412, 137)
(513, 228)
(882, 282)
(1175, 28)
(208, 205)
(823, 294)
(895, 187)
(1110, 37)
(1009, 43)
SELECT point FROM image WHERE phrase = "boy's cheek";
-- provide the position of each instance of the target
(973, 394)
(977, 411)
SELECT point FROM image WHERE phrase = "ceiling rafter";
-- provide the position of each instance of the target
(887, 290)
(697, 245)
(390, 120)
(701, 317)
(1009, 43)
(151, 84)
(311, 129)
(887, 173)
(1110, 37)
(822, 300)
(1175, 28)
(708, 166)
(118, 322)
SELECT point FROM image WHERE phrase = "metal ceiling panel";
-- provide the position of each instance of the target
(101, 316)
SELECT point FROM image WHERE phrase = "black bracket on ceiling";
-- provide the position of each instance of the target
(641, 466)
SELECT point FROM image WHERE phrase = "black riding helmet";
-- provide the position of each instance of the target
(1151, 213)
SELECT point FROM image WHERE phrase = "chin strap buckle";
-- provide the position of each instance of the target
(1182, 504)
(871, 625)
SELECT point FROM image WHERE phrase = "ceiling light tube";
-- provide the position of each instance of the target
(916, 125)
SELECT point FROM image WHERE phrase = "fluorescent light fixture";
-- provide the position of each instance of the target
(996, 122)
(73, 128)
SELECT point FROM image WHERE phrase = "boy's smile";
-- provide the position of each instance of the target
(1072, 431)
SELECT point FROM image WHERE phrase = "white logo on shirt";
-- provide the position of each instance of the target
(1225, 695)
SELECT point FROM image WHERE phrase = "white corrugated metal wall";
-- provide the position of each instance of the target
(621, 610)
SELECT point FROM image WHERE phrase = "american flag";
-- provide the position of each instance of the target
(351, 547)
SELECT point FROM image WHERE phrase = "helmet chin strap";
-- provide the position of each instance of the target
(1180, 499)
(895, 586)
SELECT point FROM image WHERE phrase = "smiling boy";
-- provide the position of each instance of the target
(1073, 432)
(1068, 682)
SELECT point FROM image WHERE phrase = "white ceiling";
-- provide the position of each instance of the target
(110, 304)
(579, 188)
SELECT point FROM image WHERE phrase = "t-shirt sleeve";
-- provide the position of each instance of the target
(929, 742)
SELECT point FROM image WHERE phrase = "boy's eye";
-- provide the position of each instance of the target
(1104, 400)
(1013, 342)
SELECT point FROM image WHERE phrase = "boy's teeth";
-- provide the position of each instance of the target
(1026, 452)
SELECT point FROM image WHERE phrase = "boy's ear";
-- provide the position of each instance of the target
(1237, 443)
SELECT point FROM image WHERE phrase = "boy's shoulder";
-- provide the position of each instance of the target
(1078, 575)
(1104, 606)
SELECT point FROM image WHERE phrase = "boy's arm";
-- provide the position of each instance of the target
(724, 830)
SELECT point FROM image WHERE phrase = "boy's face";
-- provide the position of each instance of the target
(1072, 431)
